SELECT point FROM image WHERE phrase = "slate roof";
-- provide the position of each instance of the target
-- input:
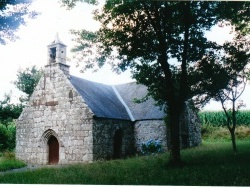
(140, 111)
(100, 98)
(116, 102)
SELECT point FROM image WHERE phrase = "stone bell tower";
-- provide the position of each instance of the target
(57, 55)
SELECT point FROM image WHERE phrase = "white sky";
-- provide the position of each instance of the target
(31, 48)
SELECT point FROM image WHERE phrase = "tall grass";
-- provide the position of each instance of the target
(212, 133)
(218, 118)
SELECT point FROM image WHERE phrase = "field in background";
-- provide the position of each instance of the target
(218, 118)
(214, 126)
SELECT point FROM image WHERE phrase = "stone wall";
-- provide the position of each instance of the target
(190, 128)
(104, 138)
(150, 129)
(55, 109)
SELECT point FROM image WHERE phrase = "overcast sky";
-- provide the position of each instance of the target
(31, 48)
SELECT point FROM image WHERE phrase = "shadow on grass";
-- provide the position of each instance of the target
(217, 153)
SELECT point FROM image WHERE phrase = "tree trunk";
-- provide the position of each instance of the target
(232, 132)
(175, 98)
(174, 133)
(175, 108)
(231, 129)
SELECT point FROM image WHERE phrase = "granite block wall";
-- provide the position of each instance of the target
(55, 109)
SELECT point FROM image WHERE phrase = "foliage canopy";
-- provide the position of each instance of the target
(8, 110)
(27, 79)
(12, 15)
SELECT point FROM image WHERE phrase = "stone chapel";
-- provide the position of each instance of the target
(72, 120)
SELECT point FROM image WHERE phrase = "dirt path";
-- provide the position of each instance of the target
(30, 168)
(24, 169)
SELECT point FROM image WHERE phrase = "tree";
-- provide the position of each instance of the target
(72, 3)
(12, 15)
(235, 63)
(229, 68)
(144, 36)
(232, 93)
(8, 110)
(27, 80)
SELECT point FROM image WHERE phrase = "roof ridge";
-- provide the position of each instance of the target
(103, 83)
(123, 103)
(132, 82)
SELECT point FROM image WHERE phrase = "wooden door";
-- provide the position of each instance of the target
(53, 150)
(118, 144)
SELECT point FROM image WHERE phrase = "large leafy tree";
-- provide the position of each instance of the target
(12, 15)
(146, 36)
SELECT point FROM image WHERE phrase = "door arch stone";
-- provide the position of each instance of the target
(49, 141)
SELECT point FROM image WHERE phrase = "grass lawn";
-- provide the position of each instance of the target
(211, 164)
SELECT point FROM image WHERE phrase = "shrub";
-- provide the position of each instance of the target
(11, 141)
(7, 137)
(151, 147)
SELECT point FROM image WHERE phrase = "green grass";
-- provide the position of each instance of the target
(211, 164)
(11, 164)
(8, 162)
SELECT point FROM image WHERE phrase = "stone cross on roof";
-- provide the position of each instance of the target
(57, 40)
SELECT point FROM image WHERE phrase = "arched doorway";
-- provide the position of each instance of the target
(53, 150)
(118, 144)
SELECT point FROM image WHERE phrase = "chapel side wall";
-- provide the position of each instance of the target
(150, 129)
(190, 130)
(51, 108)
(103, 138)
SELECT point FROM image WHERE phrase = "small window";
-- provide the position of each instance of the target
(53, 55)
(70, 95)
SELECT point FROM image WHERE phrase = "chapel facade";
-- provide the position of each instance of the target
(72, 120)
